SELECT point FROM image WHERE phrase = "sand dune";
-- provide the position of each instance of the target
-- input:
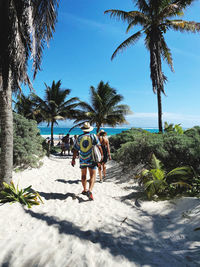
(116, 229)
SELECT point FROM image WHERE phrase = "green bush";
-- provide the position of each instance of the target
(28, 148)
(116, 141)
(171, 148)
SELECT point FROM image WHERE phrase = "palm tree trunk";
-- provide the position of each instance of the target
(6, 128)
(157, 76)
(52, 142)
(98, 128)
(159, 111)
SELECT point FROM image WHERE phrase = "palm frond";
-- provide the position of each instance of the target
(155, 163)
(143, 6)
(170, 11)
(184, 171)
(85, 106)
(120, 14)
(181, 184)
(130, 41)
(138, 20)
(183, 26)
(44, 18)
(166, 53)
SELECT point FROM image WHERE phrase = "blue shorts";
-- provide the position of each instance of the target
(93, 167)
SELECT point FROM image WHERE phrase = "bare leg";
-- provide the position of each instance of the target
(104, 169)
(83, 178)
(92, 178)
(100, 173)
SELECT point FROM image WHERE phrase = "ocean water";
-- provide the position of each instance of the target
(63, 131)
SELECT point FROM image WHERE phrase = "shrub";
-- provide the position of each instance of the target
(171, 148)
(28, 148)
(126, 136)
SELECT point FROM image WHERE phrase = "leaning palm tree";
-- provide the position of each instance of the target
(155, 17)
(55, 106)
(104, 108)
(25, 27)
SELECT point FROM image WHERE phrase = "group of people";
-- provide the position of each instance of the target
(83, 146)
(67, 144)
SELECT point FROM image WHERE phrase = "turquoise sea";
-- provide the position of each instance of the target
(64, 131)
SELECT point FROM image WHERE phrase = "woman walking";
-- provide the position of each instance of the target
(106, 154)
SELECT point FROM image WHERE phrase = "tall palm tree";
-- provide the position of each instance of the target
(155, 17)
(104, 108)
(25, 27)
(55, 106)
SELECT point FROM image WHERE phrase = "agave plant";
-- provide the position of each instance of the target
(26, 196)
(157, 181)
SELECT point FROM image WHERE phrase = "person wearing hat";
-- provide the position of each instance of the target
(84, 145)
(106, 153)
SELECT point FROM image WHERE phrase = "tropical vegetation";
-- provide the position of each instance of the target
(26, 196)
(25, 27)
(155, 18)
(25, 106)
(55, 106)
(173, 128)
(157, 181)
(173, 149)
(104, 108)
(28, 145)
(177, 170)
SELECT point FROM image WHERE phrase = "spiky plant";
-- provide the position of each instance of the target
(26, 196)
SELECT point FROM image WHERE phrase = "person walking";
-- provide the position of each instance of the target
(65, 146)
(84, 145)
(106, 154)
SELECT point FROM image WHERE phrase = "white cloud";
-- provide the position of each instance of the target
(151, 119)
(91, 23)
(185, 53)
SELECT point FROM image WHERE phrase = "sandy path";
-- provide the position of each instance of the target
(113, 230)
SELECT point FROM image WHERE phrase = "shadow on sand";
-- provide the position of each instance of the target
(136, 246)
(60, 196)
(68, 181)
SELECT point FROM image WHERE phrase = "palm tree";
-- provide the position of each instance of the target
(154, 18)
(25, 27)
(104, 108)
(25, 106)
(55, 106)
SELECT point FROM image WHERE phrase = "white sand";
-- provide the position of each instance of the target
(114, 230)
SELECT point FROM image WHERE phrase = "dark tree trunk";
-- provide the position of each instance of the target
(159, 111)
(52, 142)
(157, 76)
(98, 127)
(6, 142)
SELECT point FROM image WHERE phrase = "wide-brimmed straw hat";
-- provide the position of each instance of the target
(87, 127)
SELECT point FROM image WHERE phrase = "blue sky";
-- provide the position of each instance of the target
(79, 55)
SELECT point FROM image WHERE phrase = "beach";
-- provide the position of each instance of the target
(118, 228)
